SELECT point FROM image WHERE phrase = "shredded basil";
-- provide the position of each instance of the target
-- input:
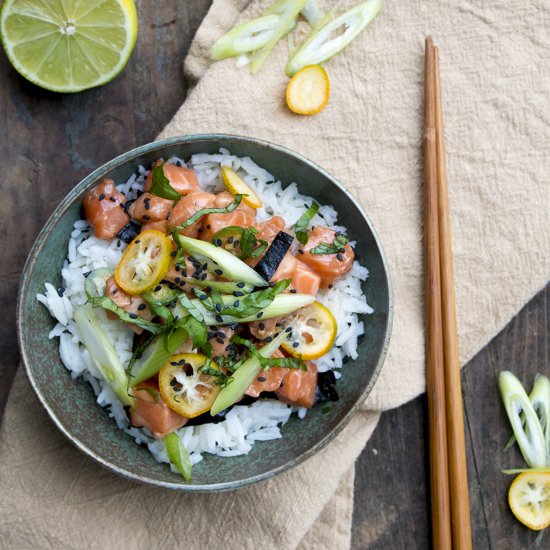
(248, 243)
(106, 303)
(198, 215)
(221, 378)
(161, 185)
(303, 222)
(267, 362)
(325, 248)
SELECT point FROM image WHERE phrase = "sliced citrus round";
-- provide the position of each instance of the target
(313, 332)
(529, 499)
(237, 186)
(308, 91)
(68, 45)
(144, 263)
(185, 388)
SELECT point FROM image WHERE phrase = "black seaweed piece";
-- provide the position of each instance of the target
(274, 255)
(326, 382)
(129, 232)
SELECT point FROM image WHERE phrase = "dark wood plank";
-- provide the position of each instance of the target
(391, 498)
(50, 141)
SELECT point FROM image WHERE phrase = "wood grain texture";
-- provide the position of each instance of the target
(49, 142)
(391, 482)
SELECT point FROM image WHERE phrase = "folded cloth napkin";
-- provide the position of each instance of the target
(496, 78)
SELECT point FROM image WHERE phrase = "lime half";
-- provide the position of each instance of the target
(68, 45)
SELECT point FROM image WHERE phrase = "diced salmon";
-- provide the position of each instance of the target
(286, 268)
(267, 380)
(151, 412)
(182, 179)
(305, 280)
(328, 266)
(269, 229)
(157, 226)
(150, 208)
(104, 209)
(225, 198)
(215, 222)
(186, 207)
(298, 386)
(131, 304)
(220, 339)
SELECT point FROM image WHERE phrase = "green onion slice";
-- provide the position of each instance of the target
(178, 455)
(530, 437)
(330, 39)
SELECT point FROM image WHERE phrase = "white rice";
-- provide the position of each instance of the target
(243, 425)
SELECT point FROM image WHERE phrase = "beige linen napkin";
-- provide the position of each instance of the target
(496, 77)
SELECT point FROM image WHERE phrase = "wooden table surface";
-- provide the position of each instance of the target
(50, 141)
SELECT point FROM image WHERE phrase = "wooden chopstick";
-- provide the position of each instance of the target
(435, 381)
(458, 475)
(448, 474)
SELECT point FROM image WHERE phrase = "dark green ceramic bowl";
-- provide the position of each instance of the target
(71, 404)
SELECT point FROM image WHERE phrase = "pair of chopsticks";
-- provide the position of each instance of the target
(448, 475)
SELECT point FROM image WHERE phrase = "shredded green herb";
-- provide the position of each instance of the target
(106, 303)
(198, 215)
(267, 362)
(221, 378)
(303, 222)
(161, 185)
(334, 248)
(248, 244)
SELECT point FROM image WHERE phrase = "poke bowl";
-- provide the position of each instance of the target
(248, 409)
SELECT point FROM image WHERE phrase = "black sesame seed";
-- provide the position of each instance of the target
(219, 340)
(261, 378)
(237, 242)
(342, 250)
(331, 285)
(339, 257)
(112, 199)
(295, 344)
(236, 303)
(218, 272)
(208, 226)
(101, 196)
(174, 363)
(240, 285)
(229, 240)
(268, 339)
(221, 334)
(288, 329)
(262, 326)
(115, 290)
(146, 217)
(219, 318)
(260, 314)
(173, 253)
(177, 280)
(293, 291)
(147, 205)
(86, 273)
(168, 216)
(60, 291)
(217, 242)
(141, 307)
(219, 308)
(300, 251)
(238, 293)
(137, 241)
(203, 276)
(277, 324)
(211, 334)
(133, 316)
(118, 244)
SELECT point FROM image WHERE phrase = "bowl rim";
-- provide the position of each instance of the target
(60, 210)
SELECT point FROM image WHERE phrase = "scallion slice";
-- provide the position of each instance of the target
(530, 437)
(328, 40)
(178, 455)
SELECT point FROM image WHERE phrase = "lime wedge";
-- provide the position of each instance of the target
(68, 45)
